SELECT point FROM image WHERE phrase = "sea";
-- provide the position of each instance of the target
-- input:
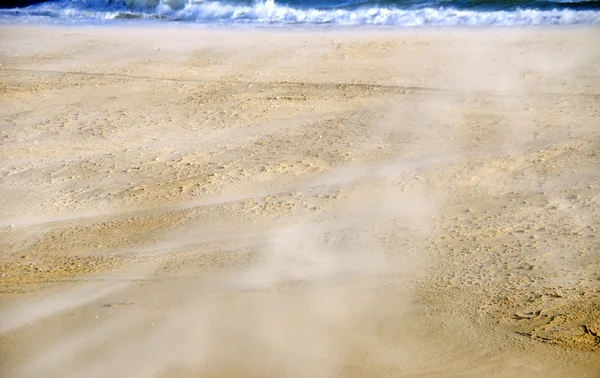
(393, 13)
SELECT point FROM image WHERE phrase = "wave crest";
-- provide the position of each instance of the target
(271, 13)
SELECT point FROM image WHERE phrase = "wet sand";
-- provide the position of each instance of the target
(186, 202)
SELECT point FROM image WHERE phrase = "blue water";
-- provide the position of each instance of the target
(335, 12)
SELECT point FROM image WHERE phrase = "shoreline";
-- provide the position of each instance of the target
(166, 24)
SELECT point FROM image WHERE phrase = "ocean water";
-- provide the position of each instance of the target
(305, 12)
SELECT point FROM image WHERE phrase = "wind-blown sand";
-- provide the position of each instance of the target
(185, 202)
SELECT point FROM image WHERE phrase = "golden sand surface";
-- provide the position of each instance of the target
(201, 202)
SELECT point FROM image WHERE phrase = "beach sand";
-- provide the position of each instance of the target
(197, 202)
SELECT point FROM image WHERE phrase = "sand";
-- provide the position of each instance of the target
(196, 202)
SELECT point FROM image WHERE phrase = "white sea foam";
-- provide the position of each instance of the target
(270, 13)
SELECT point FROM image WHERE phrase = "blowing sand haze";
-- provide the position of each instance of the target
(197, 202)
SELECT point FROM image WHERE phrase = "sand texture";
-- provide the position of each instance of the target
(187, 202)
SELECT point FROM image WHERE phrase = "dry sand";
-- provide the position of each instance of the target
(184, 202)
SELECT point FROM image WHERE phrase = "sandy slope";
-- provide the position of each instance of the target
(180, 202)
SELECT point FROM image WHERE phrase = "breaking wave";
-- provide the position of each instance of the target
(393, 13)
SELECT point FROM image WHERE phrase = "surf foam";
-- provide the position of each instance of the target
(270, 13)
